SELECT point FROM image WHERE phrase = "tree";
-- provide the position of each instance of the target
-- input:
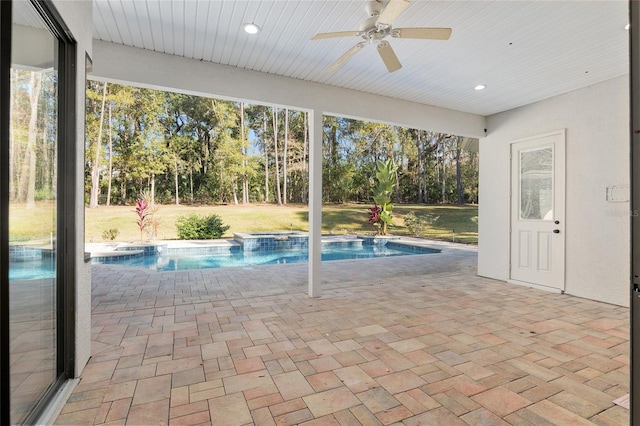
(257, 116)
(285, 158)
(305, 168)
(32, 136)
(276, 154)
(95, 166)
(177, 144)
(245, 160)
(27, 181)
(459, 171)
(110, 146)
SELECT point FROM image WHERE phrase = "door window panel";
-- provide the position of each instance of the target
(536, 184)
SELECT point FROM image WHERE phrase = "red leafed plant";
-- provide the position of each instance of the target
(374, 216)
(143, 211)
(146, 212)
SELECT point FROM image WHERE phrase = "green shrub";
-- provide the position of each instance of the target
(418, 225)
(195, 227)
(44, 194)
(110, 234)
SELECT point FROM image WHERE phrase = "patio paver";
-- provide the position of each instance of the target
(410, 340)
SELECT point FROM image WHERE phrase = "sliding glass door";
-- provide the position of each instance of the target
(33, 148)
(34, 140)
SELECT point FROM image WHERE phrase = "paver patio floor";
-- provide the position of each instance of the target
(415, 340)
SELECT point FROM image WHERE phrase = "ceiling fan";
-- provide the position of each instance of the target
(377, 27)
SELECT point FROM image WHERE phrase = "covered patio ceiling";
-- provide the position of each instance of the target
(523, 51)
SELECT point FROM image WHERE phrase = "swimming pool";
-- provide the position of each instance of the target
(176, 260)
(31, 270)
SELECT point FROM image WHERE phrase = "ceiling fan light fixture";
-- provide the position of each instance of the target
(251, 28)
(480, 87)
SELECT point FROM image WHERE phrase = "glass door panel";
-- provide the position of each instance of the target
(32, 209)
(536, 184)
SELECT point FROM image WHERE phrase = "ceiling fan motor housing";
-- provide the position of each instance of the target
(369, 29)
(373, 8)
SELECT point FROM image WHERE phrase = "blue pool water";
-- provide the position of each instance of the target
(31, 270)
(184, 261)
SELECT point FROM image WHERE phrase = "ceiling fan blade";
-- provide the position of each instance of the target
(391, 12)
(320, 36)
(344, 58)
(389, 57)
(422, 33)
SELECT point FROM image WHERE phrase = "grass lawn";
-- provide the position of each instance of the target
(36, 223)
(455, 221)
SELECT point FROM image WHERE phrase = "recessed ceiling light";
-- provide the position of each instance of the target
(251, 28)
(480, 87)
(626, 27)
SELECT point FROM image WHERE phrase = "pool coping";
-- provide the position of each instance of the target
(112, 249)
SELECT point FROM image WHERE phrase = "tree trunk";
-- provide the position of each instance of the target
(175, 167)
(245, 180)
(110, 160)
(47, 162)
(305, 174)
(36, 85)
(13, 163)
(284, 156)
(420, 166)
(123, 190)
(396, 186)
(27, 185)
(459, 173)
(221, 191)
(275, 148)
(191, 183)
(266, 156)
(234, 183)
(95, 167)
(153, 189)
(444, 176)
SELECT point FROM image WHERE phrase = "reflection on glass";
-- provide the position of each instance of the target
(32, 210)
(536, 184)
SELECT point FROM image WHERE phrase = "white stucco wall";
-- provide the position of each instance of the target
(597, 231)
(128, 65)
(78, 17)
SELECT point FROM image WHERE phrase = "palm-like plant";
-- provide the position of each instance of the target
(385, 175)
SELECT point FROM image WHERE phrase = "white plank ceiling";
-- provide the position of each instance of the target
(523, 51)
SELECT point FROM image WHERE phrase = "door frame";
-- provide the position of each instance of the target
(559, 155)
(634, 146)
(6, 22)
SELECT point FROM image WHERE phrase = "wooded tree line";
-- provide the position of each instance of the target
(189, 149)
(33, 136)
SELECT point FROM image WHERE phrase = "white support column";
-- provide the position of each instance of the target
(315, 202)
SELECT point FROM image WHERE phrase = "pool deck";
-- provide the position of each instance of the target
(413, 340)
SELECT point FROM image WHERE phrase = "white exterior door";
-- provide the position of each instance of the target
(537, 211)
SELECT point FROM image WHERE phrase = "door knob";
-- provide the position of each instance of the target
(556, 231)
(557, 222)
